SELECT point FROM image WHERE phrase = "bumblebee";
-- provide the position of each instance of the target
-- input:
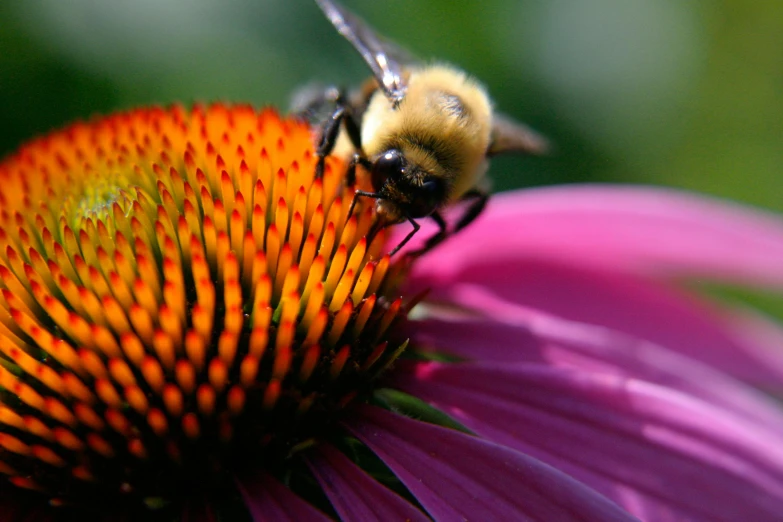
(423, 133)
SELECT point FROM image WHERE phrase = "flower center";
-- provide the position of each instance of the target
(179, 297)
(97, 201)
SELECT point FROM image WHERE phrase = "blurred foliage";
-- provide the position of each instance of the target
(686, 94)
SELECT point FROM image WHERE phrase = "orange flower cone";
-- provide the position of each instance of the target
(179, 295)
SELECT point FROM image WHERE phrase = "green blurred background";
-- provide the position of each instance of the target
(688, 94)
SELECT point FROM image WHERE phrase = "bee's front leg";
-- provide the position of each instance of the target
(350, 175)
(474, 210)
(432, 242)
(407, 238)
(477, 205)
(328, 140)
(357, 195)
(343, 115)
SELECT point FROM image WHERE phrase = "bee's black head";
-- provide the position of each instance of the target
(417, 193)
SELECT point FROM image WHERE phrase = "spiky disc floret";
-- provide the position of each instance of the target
(177, 291)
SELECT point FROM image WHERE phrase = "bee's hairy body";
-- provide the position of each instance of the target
(422, 133)
(442, 127)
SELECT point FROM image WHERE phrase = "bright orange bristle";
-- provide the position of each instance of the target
(170, 281)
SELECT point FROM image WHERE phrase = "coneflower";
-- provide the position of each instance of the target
(193, 328)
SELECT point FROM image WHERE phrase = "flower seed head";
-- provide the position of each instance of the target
(180, 297)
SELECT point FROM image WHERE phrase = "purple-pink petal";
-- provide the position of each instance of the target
(636, 306)
(460, 477)
(662, 454)
(270, 501)
(354, 494)
(512, 332)
(762, 337)
(621, 228)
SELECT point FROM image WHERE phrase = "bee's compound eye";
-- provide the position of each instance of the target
(428, 196)
(389, 165)
(432, 192)
(431, 187)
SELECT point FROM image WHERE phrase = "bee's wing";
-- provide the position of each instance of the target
(311, 102)
(375, 51)
(509, 135)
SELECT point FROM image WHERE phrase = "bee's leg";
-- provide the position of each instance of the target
(350, 180)
(356, 197)
(328, 139)
(474, 210)
(352, 126)
(342, 115)
(350, 175)
(433, 241)
(407, 238)
(376, 227)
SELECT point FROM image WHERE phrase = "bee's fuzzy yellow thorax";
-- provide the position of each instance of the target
(443, 124)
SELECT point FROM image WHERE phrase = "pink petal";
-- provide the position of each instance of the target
(460, 477)
(629, 304)
(621, 228)
(355, 495)
(763, 338)
(512, 332)
(660, 453)
(270, 501)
